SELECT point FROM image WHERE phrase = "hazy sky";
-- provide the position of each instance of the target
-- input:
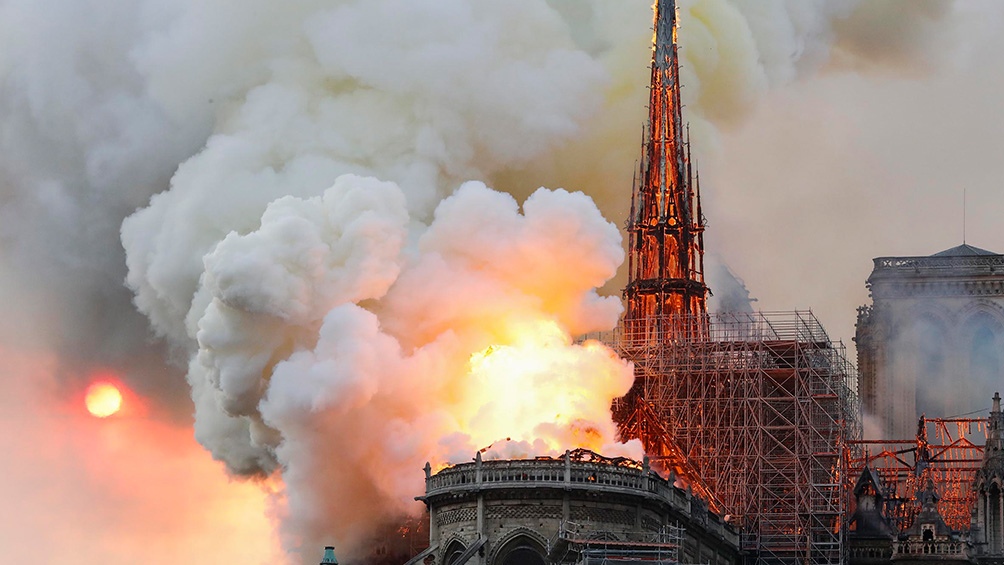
(82, 490)
(832, 172)
(858, 147)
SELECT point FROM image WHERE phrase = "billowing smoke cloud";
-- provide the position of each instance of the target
(733, 52)
(730, 295)
(82, 144)
(471, 344)
(312, 305)
(251, 261)
(328, 335)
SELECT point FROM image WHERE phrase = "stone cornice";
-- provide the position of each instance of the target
(916, 287)
(921, 267)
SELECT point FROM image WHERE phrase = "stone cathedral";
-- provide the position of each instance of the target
(932, 340)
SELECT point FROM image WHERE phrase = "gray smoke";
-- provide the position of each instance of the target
(730, 295)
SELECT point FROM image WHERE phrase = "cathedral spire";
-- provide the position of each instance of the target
(666, 295)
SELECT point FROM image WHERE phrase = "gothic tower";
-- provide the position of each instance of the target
(932, 340)
(988, 515)
(666, 295)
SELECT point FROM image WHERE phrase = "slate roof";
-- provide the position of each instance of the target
(964, 250)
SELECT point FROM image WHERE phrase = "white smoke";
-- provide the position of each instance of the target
(735, 50)
(733, 53)
(326, 321)
(332, 346)
(314, 307)
(464, 349)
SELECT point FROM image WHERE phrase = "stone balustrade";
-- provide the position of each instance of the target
(913, 548)
(929, 265)
(566, 473)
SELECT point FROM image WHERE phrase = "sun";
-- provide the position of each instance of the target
(103, 399)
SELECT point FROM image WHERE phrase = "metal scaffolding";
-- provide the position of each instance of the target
(758, 414)
(951, 460)
(585, 544)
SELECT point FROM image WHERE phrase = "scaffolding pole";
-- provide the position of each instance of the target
(761, 408)
(588, 544)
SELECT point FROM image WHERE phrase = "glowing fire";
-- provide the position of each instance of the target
(103, 399)
(543, 390)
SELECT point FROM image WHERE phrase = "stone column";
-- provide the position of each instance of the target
(566, 510)
(981, 517)
(999, 533)
(979, 512)
(478, 478)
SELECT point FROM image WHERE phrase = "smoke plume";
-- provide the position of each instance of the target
(332, 317)
(307, 245)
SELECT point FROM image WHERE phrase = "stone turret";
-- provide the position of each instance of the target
(932, 340)
(870, 534)
(929, 539)
(329, 556)
(579, 508)
(988, 516)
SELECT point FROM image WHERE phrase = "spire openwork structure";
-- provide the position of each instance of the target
(751, 410)
(666, 226)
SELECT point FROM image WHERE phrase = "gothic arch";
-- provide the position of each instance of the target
(982, 306)
(522, 546)
(991, 514)
(982, 338)
(922, 360)
(454, 549)
(979, 316)
(933, 312)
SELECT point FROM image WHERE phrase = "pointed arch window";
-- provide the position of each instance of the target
(522, 550)
(927, 348)
(985, 354)
(453, 553)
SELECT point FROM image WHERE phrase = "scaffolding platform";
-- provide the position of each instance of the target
(759, 408)
(585, 544)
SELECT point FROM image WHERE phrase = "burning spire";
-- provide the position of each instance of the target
(666, 226)
(666, 296)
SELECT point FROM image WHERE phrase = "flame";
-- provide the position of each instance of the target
(103, 399)
(544, 392)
